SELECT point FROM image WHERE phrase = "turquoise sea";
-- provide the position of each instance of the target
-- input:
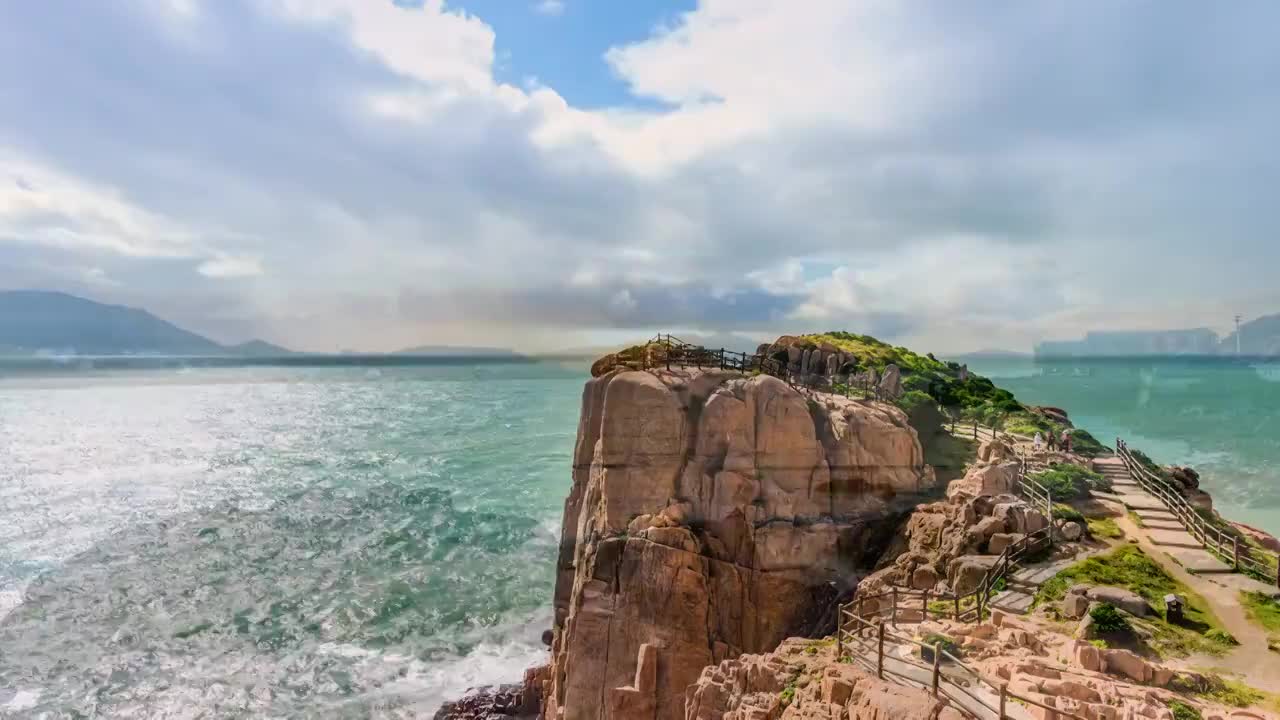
(354, 541)
(276, 542)
(1218, 415)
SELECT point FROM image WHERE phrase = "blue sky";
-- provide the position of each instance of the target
(354, 174)
(562, 43)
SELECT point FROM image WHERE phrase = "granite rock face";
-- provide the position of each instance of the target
(710, 515)
(755, 686)
(954, 543)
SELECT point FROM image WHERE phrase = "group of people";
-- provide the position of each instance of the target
(1054, 441)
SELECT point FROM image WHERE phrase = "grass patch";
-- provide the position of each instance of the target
(1105, 528)
(1070, 482)
(1183, 711)
(1062, 511)
(1263, 610)
(1128, 567)
(1137, 520)
(1109, 620)
(1222, 690)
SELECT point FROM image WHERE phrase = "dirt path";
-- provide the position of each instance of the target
(1251, 660)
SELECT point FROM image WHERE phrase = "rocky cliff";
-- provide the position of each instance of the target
(712, 515)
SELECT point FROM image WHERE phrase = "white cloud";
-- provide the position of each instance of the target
(549, 7)
(230, 267)
(853, 162)
(42, 205)
(431, 43)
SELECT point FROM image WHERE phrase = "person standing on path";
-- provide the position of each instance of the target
(1038, 442)
(1053, 442)
(1066, 441)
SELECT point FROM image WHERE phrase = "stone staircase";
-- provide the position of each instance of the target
(1023, 584)
(1161, 526)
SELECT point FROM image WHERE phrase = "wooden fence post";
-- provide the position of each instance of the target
(1048, 501)
(957, 599)
(721, 358)
(1004, 690)
(924, 606)
(975, 428)
(839, 631)
(937, 665)
(1237, 552)
(880, 654)
(895, 606)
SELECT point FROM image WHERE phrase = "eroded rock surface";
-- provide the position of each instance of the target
(710, 516)
(803, 680)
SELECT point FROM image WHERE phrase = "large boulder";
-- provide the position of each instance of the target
(983, 479)
(965, 573)
(711, 515)
(891, 382)
(1127, 600)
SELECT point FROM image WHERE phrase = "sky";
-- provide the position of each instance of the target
(538, 174)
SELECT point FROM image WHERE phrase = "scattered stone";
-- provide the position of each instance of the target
(1074, 606)
(1072, 531)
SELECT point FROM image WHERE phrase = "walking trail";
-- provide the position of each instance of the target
(1165, 540)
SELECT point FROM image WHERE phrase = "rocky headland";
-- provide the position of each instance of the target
(717, 519)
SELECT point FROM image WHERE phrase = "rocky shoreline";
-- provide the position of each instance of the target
(713, 516)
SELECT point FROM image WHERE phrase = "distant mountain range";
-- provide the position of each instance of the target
(34, 322)
(39, 321)
(1260, 336)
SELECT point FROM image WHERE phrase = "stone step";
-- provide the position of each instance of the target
(1013, 601)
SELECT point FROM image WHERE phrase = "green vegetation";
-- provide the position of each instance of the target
(1069, 482)
(1128, 567)
(1136, 518)
(788, 693)
(1066, 512)
(1219, 635)
(1219, 689)
(1108, 620)
(1105, 528)
(1183, 711)
(1263, 610)
(940, 641)
(923, 414)
(1028, 423)
(1146, 461)
(975, 397)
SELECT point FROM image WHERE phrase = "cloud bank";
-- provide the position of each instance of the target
(349, 173)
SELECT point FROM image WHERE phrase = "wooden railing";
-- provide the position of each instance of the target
(864, 642)
(1228, 547)
(967, 607)
(678, 353)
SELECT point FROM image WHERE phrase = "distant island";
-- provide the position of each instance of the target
(1257, 338)
(41, 322)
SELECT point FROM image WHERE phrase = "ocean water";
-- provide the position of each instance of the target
(360, 542)
(277, 542)
(1218, 415)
